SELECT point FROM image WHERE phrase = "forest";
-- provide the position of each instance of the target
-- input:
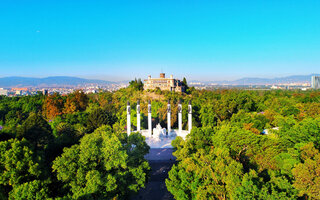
(245, 144)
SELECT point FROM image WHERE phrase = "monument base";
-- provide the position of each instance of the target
(163, 141)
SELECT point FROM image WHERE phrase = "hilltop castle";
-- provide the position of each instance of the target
(164, 83)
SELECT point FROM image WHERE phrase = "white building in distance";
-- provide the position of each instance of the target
(3, 92)
(315, 82)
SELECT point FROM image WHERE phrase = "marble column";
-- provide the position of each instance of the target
(189, 117)
(180, 117)
(128, 119)
(149, 119)
(138, 116)
(169, 117)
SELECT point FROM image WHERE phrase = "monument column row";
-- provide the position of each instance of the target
(168, 117)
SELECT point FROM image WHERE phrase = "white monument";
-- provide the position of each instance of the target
(128, 119)
(160, 137)
(138, 116)
(159, 132)
(180, 117)
(149, 119)
(189, 117)
(169, 117)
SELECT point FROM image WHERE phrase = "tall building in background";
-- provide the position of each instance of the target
(163, 83)
(45, 92)
(3, 92)
(315, 82)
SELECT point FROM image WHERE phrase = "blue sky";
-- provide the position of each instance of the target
(120, 40)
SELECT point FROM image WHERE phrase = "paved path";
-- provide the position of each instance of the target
(157, 154)
(161, 161)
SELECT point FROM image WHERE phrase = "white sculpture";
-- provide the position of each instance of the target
(159, 132)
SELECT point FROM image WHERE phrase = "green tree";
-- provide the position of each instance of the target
(307, 173)
(212, 175)
(136, 84)
(101, 167)
(36, 189)
(254, 186)
(308, 130)
(99, 117)
(37, 131)
(66, 135)
(18, 164)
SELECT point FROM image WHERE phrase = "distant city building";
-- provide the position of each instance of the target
(91, 92)
(3, 92)
(45, 92)
(275, 87)
(18, 92)
(164, 83)
(315, 82)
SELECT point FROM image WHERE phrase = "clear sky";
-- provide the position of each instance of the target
(120, 40)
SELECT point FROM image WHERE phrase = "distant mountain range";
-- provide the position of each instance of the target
(265, 81)
(54, 81)
(60, 81)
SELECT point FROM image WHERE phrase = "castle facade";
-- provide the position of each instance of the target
(169, 84)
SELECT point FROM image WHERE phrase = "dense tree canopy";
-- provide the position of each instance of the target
(36, 130)
(20, 169)
(229, 157)
(101, 167)
(136, 84)
(99, 117)
(73, 146)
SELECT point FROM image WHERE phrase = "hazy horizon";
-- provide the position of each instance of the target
(123, 40)
(142, 78)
